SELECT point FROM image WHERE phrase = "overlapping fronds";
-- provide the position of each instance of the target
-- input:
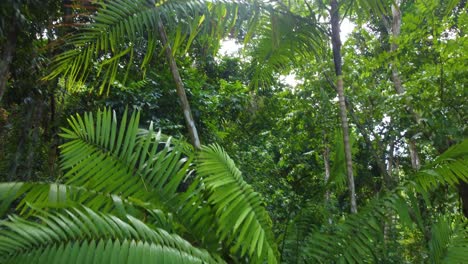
(117, 168)
(449, 241)
(355, 240)
(243, 221)
(449, 168)
(106, 158)
(127, 173)
(135, 164)
(81, 235)
(280, 40)
(124, 32)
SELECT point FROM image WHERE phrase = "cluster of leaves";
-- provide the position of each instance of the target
(141, 196)
(134, 177)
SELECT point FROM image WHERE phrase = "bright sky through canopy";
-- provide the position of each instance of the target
(229, 47)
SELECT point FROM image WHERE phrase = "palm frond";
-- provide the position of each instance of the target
(279, 41)
(102, 157)
(53, 195)
(378, 7)
(85, 235)
(355, 239)
(449, 168)
(456, 244)
(117, 167)
(352, 241)
(305, 223)
(243, 221)
(123, 32)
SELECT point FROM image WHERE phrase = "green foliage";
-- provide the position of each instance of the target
(124, 32)
(363, 238)
(132, 193)
(126, 174)
(251, 223)
(84, 236)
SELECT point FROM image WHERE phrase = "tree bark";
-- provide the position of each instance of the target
(192, 129)
(390, 159)
(326, 161)
(7, 56)
(397, 83)
(336, 46)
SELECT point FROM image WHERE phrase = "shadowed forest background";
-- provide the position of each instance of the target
(127, 136)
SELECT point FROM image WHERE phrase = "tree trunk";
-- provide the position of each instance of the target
(397, 83)
(326, 161)
(390, 159)
(192, 129)
(413, 151)
(7, 57)
(336, 45)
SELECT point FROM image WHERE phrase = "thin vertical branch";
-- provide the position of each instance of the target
(192, 129)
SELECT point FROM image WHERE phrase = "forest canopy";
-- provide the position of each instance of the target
(128, 135)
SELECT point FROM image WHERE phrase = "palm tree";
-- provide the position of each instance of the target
(132, 193)
(120, 31)
(336, 47)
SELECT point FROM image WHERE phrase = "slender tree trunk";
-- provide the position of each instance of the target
(336, 45)
(326, 161)
(192, 129)
(397, 83)
(7, 56)
(390, 159)
(415, 162)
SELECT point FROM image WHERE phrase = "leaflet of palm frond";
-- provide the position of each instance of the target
(455, 248)
(243, 222)
(82, 235)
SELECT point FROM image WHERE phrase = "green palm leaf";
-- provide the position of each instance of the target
(449, 241)
(124, 31)
(83, 235)
(355, 240)
(456, 246)
(102, 157)
(117, 168)
(449, 168)
(242, 219)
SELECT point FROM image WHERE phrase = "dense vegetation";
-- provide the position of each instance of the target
(127, 136)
